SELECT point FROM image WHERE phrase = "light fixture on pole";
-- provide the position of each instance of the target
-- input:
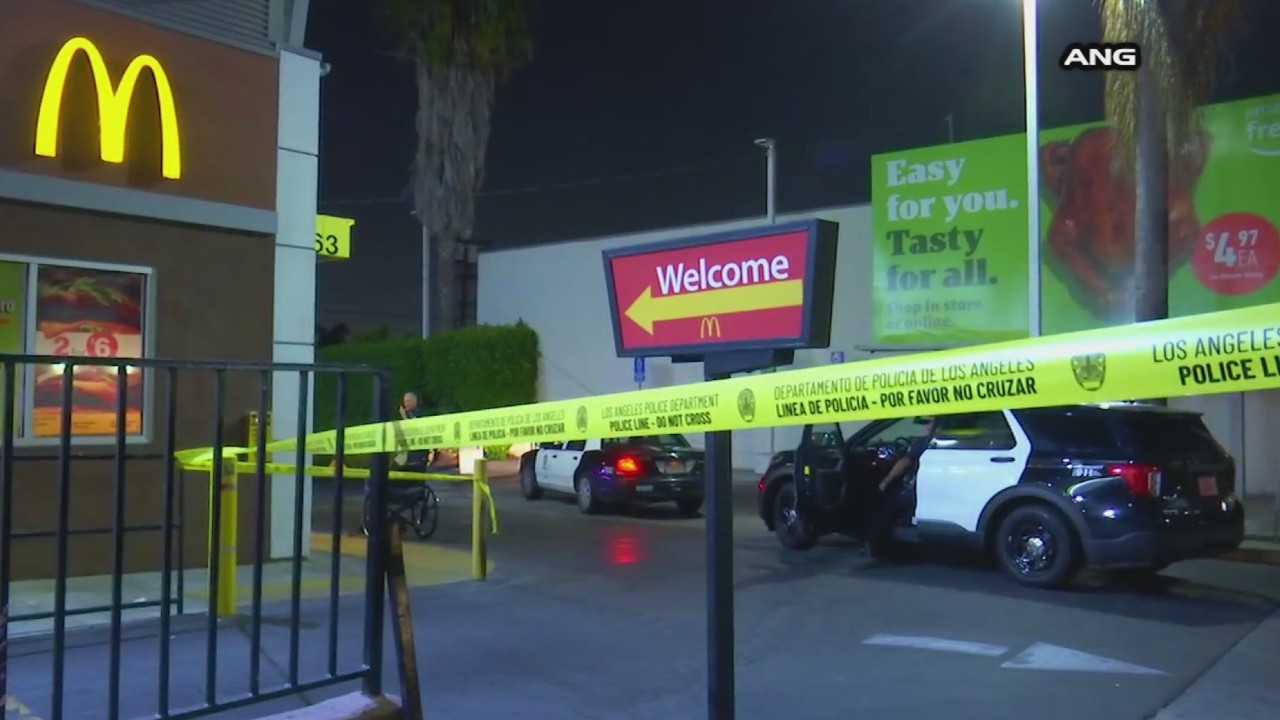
(771, 175)
(1031, 87)
(426, 276)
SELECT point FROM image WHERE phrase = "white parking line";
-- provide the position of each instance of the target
(1043, 656)
(939, 644)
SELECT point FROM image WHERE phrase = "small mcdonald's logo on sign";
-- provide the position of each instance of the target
(709, 327)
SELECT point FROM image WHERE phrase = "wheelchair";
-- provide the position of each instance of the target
(414, 506)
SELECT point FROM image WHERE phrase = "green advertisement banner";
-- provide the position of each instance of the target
(948, 224)
(13, 317)
(1224, 248)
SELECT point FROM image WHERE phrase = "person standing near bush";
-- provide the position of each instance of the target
(415, 460)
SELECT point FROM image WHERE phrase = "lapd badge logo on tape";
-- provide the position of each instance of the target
(1090, 370)
(747, 405)
(581, 418)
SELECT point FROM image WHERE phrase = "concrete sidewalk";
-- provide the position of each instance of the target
(1243, 685)
(425, 564)
(87, 688)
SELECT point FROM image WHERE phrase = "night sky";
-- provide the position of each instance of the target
(640, 114)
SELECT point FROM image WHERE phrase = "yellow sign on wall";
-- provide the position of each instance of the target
(333, 237)
(113, 106)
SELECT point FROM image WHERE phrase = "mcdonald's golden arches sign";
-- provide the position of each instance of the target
(99, 97)
(114, 102)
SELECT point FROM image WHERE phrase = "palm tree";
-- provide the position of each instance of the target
(1153, 112)
(461, 50)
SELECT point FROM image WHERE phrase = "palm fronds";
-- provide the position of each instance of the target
(1183, 44)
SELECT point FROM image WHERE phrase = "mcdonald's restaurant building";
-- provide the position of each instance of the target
(158, 168)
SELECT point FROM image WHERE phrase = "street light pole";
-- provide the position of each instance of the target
(771, 178)
(1030, 58)
(426, 275)
(771, 213)
(426, 282)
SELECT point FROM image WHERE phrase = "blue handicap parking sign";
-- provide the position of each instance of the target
(639, 370)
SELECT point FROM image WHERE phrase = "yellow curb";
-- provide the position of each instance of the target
(425, 565)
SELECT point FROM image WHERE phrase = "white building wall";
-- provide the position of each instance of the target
(294, 313)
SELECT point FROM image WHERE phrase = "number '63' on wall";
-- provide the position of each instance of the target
(326, 244)
(333, 237)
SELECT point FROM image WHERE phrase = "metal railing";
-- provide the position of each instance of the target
(52, 534)
(193, 403)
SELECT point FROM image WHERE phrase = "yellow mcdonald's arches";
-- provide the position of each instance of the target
(710, 326)
(113, 105)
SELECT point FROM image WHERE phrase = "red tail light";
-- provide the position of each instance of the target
(627, 465)
(1143, 480)
(760, 485)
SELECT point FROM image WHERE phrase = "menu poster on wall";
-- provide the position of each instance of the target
(13, 335)
(87, 313)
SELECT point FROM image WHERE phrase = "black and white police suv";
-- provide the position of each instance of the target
(1047, 491)
(640, 469)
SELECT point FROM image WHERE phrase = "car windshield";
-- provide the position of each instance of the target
(669, 440)
(908, 428)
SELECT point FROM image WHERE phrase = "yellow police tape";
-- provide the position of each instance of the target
(1229, 351)
(201, 459)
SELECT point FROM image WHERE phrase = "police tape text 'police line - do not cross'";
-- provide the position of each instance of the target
(1229, 351)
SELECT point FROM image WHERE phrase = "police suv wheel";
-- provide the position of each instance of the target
(792, 529)
(529, 483)
(587, 502)
(1035, 546)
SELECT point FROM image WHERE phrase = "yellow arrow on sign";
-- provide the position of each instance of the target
(647, 309)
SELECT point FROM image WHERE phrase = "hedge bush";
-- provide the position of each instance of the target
(481, 367)
(497, 452)
(472, 368)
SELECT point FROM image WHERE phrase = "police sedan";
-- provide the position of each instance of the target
(617, 471)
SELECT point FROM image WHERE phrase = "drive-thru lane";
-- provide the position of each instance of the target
(604, 615)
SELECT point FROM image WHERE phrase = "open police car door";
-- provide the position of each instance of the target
(819, 463)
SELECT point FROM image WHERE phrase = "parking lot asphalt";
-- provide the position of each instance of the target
(604, 617)
(607, 613)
